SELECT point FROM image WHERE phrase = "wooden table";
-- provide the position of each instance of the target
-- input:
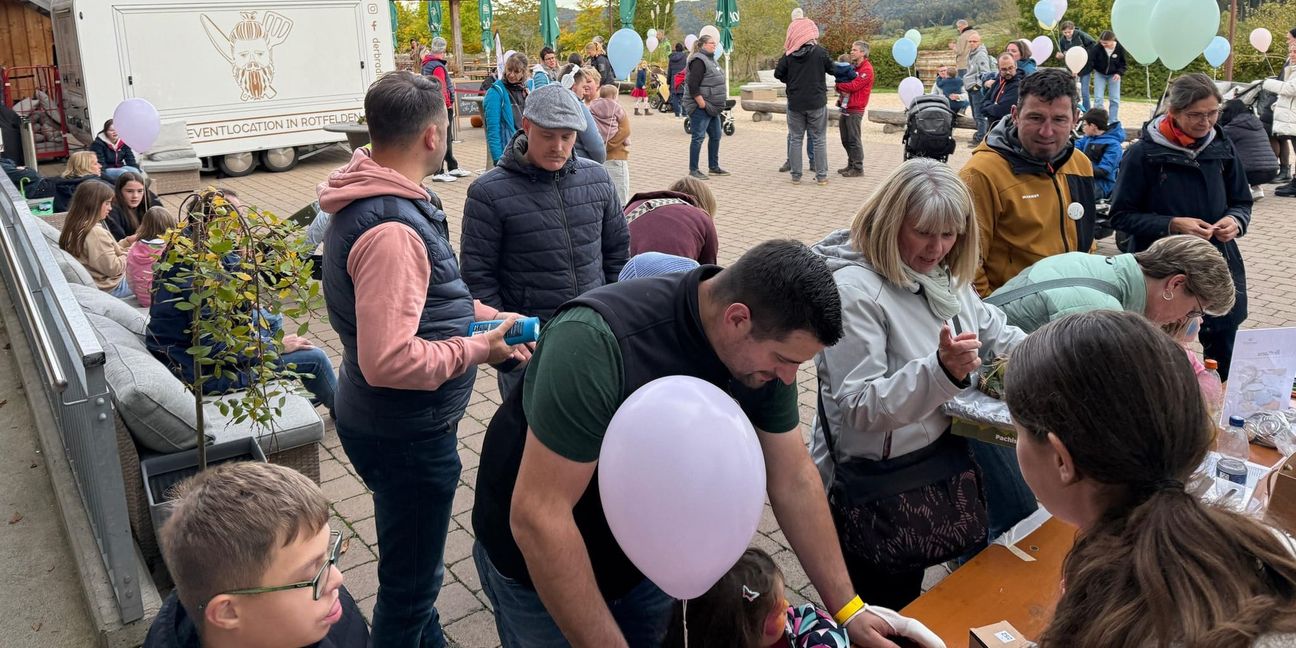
(997, 585)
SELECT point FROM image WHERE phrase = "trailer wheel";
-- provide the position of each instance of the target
(236, 165)
(277, 160)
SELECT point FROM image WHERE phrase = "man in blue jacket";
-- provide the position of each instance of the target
(1102, 145)
(1000, 93)
(543, 226)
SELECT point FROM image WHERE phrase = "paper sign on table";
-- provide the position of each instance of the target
(1261, 374)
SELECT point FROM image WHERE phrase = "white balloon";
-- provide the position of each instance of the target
(910, 88)
(1261, 39)
(652, 33)
(682, 482)
(689, 40)
(710, 30)
(1041, 48)
(651, 43)
(1076, 59)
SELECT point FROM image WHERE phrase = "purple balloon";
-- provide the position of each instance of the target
(137, 123)
(682, 480)
(910, 88)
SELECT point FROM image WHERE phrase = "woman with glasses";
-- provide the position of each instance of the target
(1177, 278)
(1183, 177)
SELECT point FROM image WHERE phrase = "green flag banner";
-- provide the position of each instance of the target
(434, 17)
(628, 13)
(549, 22)
(726, 18)
(391, 9)
(484, 12)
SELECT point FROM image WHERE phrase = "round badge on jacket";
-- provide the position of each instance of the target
(1075, 211)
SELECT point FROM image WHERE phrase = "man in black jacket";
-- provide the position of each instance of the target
(803, 70)
(1001, 91)
(1073, 36)
(543, 226)
(678, 61)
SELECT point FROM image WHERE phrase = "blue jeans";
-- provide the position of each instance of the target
(323, 381)
(1008, 499)
(123, 289)
(1084, 92)
(111, 175)
(703, 125)
(676, 98)
(1102, 83)
(413, 484)
(523, 622)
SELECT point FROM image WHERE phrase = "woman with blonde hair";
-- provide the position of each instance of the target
(82, 166)
(1109, 452)
(85, 237)
(905, 493)
(597, 58)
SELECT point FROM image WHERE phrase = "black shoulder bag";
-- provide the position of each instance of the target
(908, 512)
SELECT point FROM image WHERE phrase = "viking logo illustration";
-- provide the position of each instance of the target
(248, 47)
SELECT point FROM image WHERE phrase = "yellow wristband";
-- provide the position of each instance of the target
(843, 615)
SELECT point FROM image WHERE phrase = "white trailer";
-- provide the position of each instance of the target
(255, 80)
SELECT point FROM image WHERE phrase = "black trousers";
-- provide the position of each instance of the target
(849, 125)
(889, 590)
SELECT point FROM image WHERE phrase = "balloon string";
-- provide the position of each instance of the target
(685, 623)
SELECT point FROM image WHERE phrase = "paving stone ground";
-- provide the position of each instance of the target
(756, 204)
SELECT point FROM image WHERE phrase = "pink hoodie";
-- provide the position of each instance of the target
(389, 266)
(607, 116)
(139, 269)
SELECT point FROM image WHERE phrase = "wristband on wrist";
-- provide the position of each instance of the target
(848, 611)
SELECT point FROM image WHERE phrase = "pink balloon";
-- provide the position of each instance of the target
(651, 43)
(910, 88)
(1041, 49)
(137, 123)
(682, 480)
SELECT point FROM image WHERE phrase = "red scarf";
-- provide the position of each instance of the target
(1172, 133)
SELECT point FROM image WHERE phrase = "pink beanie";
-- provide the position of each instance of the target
(800, 32)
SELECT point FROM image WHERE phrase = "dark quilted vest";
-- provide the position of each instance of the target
(447, 312)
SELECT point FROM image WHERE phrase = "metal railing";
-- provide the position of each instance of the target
(72, 364)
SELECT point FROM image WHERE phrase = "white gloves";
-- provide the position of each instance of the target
(903, 626)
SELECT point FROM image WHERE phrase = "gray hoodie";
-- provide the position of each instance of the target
(883, 379)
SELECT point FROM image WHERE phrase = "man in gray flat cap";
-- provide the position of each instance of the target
(543, 226)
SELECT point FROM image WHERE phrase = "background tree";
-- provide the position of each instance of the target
(591, 20)
(843, 22)
(759, 36)
(411, 22)
(518, 25)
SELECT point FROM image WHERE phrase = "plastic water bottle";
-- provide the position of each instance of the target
(1233, 439)
(1212, 390)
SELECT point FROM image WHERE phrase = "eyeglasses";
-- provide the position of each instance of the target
(1207, 116)
(1196, 312)
(1007, 70)
(317, 584)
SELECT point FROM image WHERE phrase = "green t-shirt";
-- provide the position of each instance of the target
(574, 383)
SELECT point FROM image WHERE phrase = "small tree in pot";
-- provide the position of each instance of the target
(237, 272)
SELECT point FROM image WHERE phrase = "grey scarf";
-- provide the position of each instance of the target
(938, 289)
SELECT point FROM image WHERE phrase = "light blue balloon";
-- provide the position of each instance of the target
(1045, 12)
(905, 52)
(625, 49)
(1218, 51)
(1181, 30)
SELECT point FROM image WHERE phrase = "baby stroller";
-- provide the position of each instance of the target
(929, 131)
(726, 118)
(658, 90)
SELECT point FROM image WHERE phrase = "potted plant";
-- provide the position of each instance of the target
(237, 272)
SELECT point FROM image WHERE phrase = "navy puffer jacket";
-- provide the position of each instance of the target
(533, 239)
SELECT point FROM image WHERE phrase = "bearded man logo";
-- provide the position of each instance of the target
(249, 48)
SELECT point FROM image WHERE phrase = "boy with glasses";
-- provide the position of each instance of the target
(255, 565)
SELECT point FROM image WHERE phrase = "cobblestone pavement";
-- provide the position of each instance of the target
(756, 203)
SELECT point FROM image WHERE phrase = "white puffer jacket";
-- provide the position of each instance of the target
(1285, 108)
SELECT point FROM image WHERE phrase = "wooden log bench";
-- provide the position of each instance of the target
(894, 121)
(764, 110)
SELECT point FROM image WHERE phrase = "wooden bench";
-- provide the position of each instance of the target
(763, 110)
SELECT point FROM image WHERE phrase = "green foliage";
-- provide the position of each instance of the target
(226, 267)
(518, 24)
(591, 20)
(412, 23)
(759, 36)
(844, 22)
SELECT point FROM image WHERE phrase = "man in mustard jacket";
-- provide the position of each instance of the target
(1034, 195)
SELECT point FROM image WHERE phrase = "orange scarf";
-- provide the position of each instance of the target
(1172, 133)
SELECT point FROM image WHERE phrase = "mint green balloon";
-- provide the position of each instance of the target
(914, 35)
(1131, 20)
(1181, 30)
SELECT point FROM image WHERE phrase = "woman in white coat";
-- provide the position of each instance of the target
(1284, 123)
(905, 493)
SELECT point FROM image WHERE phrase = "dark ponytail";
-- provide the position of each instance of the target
(727, 615)
(1159, 568)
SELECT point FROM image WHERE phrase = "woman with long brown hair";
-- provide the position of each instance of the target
(85, 238)
(1109, 451)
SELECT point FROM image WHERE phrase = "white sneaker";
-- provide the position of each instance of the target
(443, 177)
(460, 173)
(1257, 193)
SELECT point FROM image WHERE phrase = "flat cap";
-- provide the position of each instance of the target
(554, 106)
